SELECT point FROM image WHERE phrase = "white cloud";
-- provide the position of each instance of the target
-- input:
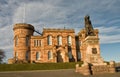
(109, 34)
(40, 12)
(109, 29)
(6, 37)
(105, 39)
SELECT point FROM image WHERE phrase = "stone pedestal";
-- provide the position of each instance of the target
(84, 69)
(112, 67)
(90, 48)
(92, 51)
(88, 69)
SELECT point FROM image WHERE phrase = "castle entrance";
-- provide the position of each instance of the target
(59, 57)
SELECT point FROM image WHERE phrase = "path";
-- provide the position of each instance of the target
(52, 73)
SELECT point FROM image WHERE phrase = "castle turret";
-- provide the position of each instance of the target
(22, 33)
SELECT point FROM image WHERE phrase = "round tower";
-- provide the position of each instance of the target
(22, 34)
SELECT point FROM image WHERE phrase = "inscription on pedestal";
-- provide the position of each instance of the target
(94, 50)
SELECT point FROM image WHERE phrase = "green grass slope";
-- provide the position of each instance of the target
(40, 66)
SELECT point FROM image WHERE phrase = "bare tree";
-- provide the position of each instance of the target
(2, 55)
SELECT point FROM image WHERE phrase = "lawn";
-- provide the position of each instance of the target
(40, 66)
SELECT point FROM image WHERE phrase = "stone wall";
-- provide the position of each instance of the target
(28, 47)
(88, 69)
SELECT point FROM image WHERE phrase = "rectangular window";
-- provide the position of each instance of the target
(16, 41)
(27, 41)
(37, 43)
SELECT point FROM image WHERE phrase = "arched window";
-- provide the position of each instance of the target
(37, 55)
(27, 55)
(16, 40)
(50, 55)
(59, 40)
(49, 40)
(69, 40)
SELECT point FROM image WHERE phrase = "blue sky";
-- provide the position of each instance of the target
(104, 14)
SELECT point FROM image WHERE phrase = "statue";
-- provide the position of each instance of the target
(88, 27)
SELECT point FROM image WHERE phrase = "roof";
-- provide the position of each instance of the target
(57, 30)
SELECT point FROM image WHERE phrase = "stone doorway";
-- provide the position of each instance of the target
(59, 57)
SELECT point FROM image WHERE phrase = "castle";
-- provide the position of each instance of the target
(61, 45)
(56, 45)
